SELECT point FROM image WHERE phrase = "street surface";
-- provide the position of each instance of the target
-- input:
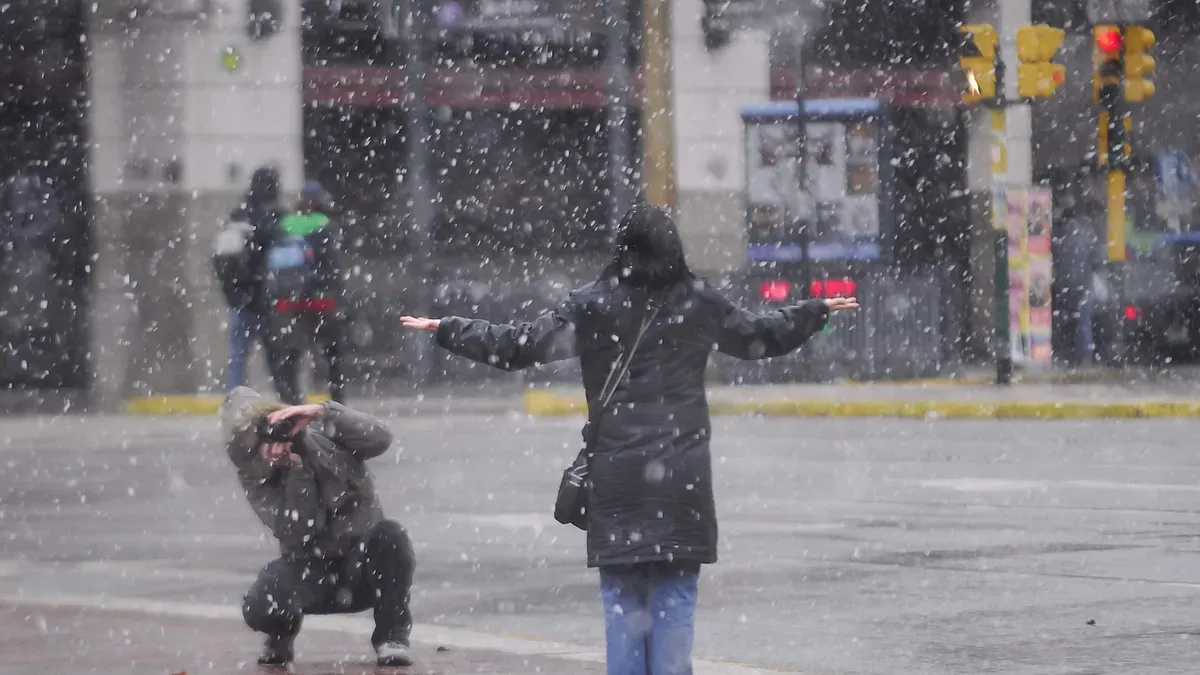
(850, 547)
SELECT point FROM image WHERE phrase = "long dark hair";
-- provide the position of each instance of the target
(648, 251)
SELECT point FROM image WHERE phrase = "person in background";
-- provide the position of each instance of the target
(650, 517)
(240, 265)
(304, 471)
(308, 300)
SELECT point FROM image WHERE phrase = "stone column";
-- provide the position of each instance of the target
(183, 108)
(708, 90)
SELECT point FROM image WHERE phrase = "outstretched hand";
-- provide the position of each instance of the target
(840, 304)
(420, 323)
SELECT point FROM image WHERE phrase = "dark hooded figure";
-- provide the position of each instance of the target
(651, 519)
(261, 208)
(243, 276)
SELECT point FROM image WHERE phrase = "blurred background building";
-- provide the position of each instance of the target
(128, 128)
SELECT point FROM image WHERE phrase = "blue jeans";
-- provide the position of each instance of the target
(649, 612)
(245, 327)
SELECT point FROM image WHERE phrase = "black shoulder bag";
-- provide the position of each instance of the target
(570, 507)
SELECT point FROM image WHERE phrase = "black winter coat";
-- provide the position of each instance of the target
(264, 219)
(651, 471)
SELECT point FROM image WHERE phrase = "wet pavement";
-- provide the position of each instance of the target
(850, 547)
(947, 390)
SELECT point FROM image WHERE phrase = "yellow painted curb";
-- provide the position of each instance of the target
(549, 404)
(183, 405)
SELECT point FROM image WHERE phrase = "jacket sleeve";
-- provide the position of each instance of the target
(362, 435)
(546, 339)
(266, 227)
(748, 335)
(285, 500)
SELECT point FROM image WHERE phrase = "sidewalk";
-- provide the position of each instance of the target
(1050, 395)
(932, 399)
(463, 399)
(37, 639)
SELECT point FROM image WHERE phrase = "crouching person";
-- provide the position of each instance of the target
(304, 471)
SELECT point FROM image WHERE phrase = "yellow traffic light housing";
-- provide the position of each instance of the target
(1037, 77)
(1108, 46)
(1139, 66)
(1104, 147)
(977, 59)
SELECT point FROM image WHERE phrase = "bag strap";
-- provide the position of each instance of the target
(619, 369)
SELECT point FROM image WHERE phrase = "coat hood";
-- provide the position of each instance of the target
(263, 192)
(242, 408)
(649, 251)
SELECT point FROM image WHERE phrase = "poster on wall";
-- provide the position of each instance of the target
(1025, 215)
(1015, 224)
(771, 182)
(839, 205)
(1039, 274)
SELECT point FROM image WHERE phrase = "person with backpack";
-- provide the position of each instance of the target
(304, 288)
(239, 262)
(643, 487)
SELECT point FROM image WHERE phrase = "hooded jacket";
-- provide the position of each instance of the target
(322, 508)
(650, 468)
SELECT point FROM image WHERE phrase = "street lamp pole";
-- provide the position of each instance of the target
(418, 130)
(616, 45)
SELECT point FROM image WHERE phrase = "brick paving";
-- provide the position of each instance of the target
(37, 640)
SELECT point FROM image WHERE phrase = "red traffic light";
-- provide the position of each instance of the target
(1109, 41)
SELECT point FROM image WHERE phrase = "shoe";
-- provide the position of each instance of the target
(277, 652)
(393, 654)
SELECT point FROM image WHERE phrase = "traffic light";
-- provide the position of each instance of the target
(977, 59)
(1037, 77)
(1108, 45)
(1139, 66)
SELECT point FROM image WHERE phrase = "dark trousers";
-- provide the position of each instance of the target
(378, 576)
(292, 336)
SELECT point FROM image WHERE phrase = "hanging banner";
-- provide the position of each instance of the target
(1016, 225)
(1039, 274)
(1025, 215)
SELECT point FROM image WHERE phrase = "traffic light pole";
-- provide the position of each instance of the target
(1122, 71)
(1003, 338)
(1006, 93)
(418, 131)
(616, 19)
(1114, 183)
(1112, 142)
